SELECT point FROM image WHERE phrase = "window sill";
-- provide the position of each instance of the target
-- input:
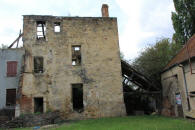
(76, 65)
(11, 75)
(38, 74)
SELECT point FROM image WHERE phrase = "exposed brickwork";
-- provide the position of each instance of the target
(105, 12)
(26, 104)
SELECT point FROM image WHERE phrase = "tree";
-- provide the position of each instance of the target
(3, 46)
(154, 58)
(183, 20)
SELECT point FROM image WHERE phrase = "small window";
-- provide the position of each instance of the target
(76, 55)
(77, 97)
(41, 30)
(38, 105)
(192, 94)
(56, 27)
(38, 64)
(11, 68)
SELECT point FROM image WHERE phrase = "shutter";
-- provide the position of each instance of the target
(10, 97)
(11, 68)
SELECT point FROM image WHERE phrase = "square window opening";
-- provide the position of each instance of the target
(57, 27)
(38, 64)
(76, 55)
(77, 97)
(38, 105)
(192, 92)
(41, 30)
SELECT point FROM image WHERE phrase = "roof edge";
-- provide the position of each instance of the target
(188, 42)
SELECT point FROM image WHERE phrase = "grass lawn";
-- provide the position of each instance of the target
(128, 123)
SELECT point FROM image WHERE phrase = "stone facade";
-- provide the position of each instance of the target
(99, 71)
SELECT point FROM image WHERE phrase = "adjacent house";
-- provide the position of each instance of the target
(178, 79)
(10, 71)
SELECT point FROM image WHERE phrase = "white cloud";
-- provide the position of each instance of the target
(133, 33)
(146, 21)
(139, 21)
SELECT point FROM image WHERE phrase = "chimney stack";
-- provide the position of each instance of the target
(105, 10)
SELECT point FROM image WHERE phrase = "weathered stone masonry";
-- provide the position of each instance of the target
(99, 72)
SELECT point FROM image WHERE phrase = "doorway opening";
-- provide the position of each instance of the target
(77, 97)
(38, 105)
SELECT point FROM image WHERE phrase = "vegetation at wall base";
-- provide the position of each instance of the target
(127, 123)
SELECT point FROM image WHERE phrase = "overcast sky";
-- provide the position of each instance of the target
(140, 22)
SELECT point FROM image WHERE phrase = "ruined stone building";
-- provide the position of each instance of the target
(178, 79)
(71, 64)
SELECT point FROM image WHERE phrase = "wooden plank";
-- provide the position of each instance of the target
(16, 40)
(10, 97)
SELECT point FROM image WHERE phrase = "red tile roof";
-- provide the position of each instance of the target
(187, 51)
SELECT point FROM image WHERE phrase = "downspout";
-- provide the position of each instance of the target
(186, 87)
(189, 58)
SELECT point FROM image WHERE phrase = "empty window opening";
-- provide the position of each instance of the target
(192, 94)
(11, 68)
(41, 30)
(10, 97)
(77, 97)
(76, 55)
(38, 64)
(38, 105)
(56, 27)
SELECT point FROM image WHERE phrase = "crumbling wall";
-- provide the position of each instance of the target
(99, 72)
(169, 96)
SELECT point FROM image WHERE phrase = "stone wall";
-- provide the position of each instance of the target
(99, 72)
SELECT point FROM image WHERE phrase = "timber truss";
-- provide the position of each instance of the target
(142, 83)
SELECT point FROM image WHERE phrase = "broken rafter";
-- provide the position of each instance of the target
(42, 25)
(16, 40)
(136, 77)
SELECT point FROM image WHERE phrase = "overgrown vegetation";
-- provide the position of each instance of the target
(154, 58)
(128, 123)
(3, 46)
(183, 20)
